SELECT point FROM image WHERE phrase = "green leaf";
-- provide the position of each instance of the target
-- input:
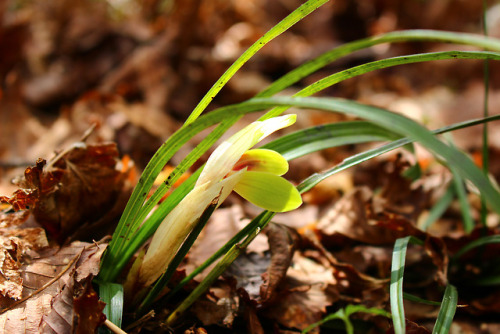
(344, 314)
(380, 64)
(112, 295)
(416, 299)
(268, 191)
(396, 287)
(465, 208)
(263, 160)
(356, 159)
(447, 311)
(321, 61)
(492, 239)
(305, 141)
(294, 17)
(440, 207)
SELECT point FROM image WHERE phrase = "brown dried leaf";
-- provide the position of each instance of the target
(50, 282)
(15, 245)
(361, 217)
(221, 305)
(308, 289)
(282, 241)
(77, 187)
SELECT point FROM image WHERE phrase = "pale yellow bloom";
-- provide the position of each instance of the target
(254, 174)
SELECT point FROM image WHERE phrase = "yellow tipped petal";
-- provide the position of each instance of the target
(262, 160)
(224, 157)
(268, 191)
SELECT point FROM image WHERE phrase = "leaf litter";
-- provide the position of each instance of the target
(71, 65)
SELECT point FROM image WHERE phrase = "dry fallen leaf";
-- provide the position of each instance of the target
(79, 186)
(51, 282)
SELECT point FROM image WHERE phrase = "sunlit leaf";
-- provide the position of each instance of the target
(447, 311)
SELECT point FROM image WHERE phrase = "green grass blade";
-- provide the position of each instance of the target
(344, 315)
(356, 159)
(381, 64)
(312, 66)
(416, 299)
(492, 239)
(396, 287)
(279, 28)
(320, 137)
(463, 201)
(112, 295)
(391, 62)
(447, 311)
(405, 127)
(440, 207)
(486, 82)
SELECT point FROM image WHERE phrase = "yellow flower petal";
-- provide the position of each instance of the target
(268, 191)
(224, 157)
(262, 160)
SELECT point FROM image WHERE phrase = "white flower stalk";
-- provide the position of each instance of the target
(254, 174)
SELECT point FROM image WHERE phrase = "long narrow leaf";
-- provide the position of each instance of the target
(112, 295)
(380, 64)
(465, 209)
(356, 159)
(492, 239)
(312, 66)
(396, 287)
(320, 137)
(440, 207)
(405, 127)
(447, 311)
(416, 299)
(279, 28)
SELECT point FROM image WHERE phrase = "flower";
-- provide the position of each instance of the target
(253, 174)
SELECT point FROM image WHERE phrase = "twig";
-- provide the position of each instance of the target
(112, 327)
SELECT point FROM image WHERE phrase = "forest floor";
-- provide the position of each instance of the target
(91, 89)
